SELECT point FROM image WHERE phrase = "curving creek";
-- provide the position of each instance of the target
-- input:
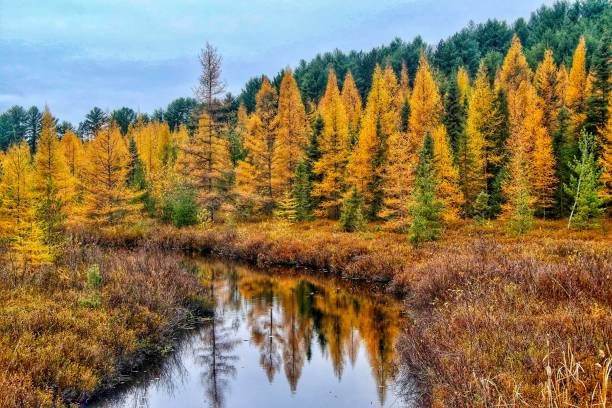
(278, 339)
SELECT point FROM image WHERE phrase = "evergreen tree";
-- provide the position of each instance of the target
(584, 186)
(606, 154)
(597, 104)
(33, 127)
(425, 209)
(455, 115)
(351, 217)
(302, 190)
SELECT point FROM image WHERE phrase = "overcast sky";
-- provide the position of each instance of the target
(73, 55)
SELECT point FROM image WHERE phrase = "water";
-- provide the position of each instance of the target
(278, 340)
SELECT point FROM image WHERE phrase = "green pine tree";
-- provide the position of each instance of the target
(454, 118)
(351, 216)
(597, 105)
(481, 207)
(302, 190)
(584, 186)
(425, 209)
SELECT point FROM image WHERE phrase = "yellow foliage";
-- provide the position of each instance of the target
(463, 83)
(404, 85)
(515, 68)
(606, 153)
(291, 133)
(19, 226)
(546, 83)
(426, 107)
(448, 176)
(72, 148)
(578, 86)
(482, 124)
(366, 169)
(334, 146)
(353, 105)
(108, 200)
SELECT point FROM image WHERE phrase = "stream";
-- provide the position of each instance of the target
(278, 339)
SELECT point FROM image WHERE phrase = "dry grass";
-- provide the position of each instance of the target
(499, 321)
(64, 337)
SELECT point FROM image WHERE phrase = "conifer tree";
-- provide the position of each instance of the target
(52, 182)
(19, 225)
(291, 133)
(426, 107)
(302, 190)
(404, 89)
(597, 104)
(463, 83)
(108, 200)
(577, 88)
(455, 115)
(287, 208)
(606, 155)
(515, 69)
(425, 209)
(254, 174)
(205, 163)
(72, 147)
(353, 106)
(584, 186)
(543, 176)
(480, 153)
(448, 191)
(334, 148)
(366, 170)
(351, 218)
(545, 81)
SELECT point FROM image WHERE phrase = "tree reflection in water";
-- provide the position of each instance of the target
(285, 313)
(281, 322)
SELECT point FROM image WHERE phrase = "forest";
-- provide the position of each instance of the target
(470, 176)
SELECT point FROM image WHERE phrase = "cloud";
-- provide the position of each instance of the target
(76, 54)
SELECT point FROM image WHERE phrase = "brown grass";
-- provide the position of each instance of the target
(62, 339)
(498, 320)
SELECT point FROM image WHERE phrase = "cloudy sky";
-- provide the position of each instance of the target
(73, 55)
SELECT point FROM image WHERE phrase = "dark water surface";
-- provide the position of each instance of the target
(278, 340)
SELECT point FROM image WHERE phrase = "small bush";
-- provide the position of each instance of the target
(181, 208)
(94, 277)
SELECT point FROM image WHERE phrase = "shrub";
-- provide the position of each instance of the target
(180, 207)
(351, 217)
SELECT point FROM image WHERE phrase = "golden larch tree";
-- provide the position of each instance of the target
(577, 92)
(254, 174)
(108, 200)
(606, 154)
(531, 166)
(463, 83)
(514, 68)
(367, 165)
(426, 107)
(545, 81)
(19, 225)
(334, 146)
(448, 190)
(291, 133)
(404, 85)
(205, 163)
(353, 105)
(52, 182)
(72, 148)
(480, 152)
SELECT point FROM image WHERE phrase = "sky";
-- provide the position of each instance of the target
(72, 55)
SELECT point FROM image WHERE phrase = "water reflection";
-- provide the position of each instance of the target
(310, 342)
